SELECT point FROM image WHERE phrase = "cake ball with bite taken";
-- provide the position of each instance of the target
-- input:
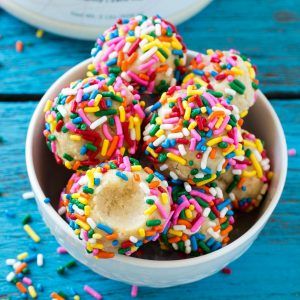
(248, 179)
(145, 51)
(117, 206)
(227, 73)
(201, 221)
(192, 134)
(92, 120)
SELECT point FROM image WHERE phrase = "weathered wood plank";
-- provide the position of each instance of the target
(268, 270)
(268, 33)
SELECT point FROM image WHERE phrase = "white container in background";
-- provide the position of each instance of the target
(85, 19)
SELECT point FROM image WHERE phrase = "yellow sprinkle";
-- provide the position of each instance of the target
(270, 175)
(160, 56)
(237, 71)
(97, 99)
(249, 144)
(91, 109)
(176, 44)
(228, 127)
(22, 256)
(219, 122)
(131, 123)
(175, 232)
(83, 225)
(149, 38)
(89, 74)
(203, 109)
(177, 158)
(97, 236)
(130, 39)
(104, 148)
(141, 232)
(97, 246)
(122, 113)
(188, 77)
(256, 165)
(243, 113)
(158, 121)
(91, 67)
(249, 173)
(192, 207)
(164, 198)
(136, 168)
(159, 132)
(39, 33)
(75, 137)
(150, 210)
(87, 210)
(210, 51)
(111, 89)
(75, 195)
(163, 247)
(239, 152)
(122, 150)
(137, 127)
(82, 200)
(151, 151)
(68, 165)
(229, 150)
(31, 233)
(32, 292)
(188, 214)
(90, 177)
(259, 145)
(213, 177)
(248, 64)
(149, 46)
(47, 105)
(187, 113)
(214, 141)
(77, 231)
(77, 297)
(252, 73)
(142, 103)
(89, 246)
(166, 49)
(201, 82)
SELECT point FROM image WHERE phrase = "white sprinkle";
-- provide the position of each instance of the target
(83, 180)
(145, 188)
(206, 212)
(98, 122)
(257, 154)
(132, 134)
(158, 141)
(163, 167)
(205, 157)
(137, 31)
(213, 233)
(220, 165)
(259, 197)
(236, 172)
(78, 210)
(157, 30)
(146, 138)
(125, 76)
(113, 55)
(175, 246)
(69, 91)
(185, 131)
(40, 260)
(10, 261)
(179, 227)
(126, 47)
(143, 42)
(148, 30)
(91, 222)
(188, 250)
(173, 175)
(230, 92)
(148, 54)
(223, 212)
(218, 108)
(181, 150)
(199, 175)
(187, 243)
(173, 81)
(92, 241)
(133, 239)
(90, 88)
(264, 188)
(239, 158)
(219, 192)
(10, 276)
(213, 191)
(232, 196)
(169, 72)
(28, 195)
(62, 210)
(16, 264)
(177, 135)
(166, 126)
(61, 110)
(164, 183)
(187, 187)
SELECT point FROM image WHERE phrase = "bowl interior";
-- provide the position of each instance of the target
(262, 121)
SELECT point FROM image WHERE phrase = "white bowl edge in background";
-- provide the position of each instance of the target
(144, 272)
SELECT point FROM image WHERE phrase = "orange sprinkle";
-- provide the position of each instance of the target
(164, 38)
(158, 228)
(20, 268)
(124, 65)
(136, 177)
(241, 182)
(223, 220)
(184, 222)
(86, 196)
(144, 76)
(120, 58)
(190, 181)
(240, 122)
(69, 185)
(21, 287)
(76, 165)
(162, 68)
(216, 228)
(213, 153)
(56, 296)
(154, 184)
(113, 146)
(184, 237)
(174, 239)
(216, 114)
(19, 46)
(132, 58)
(150, 232)
(148, 170)
(69, 99)
(226, 240)
(113, 236)
(227, 230)
(104, 254)
(81, 218)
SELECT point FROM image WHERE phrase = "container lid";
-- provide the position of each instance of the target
(85, 19)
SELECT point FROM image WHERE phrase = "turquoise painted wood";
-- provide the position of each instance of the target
(267, 31)
(269, 270)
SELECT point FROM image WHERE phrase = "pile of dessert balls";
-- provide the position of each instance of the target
(156, 143)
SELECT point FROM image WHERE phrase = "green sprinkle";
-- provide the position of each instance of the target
(215, 93)
(202, 202)
(150, 178)
(91, 147)
(60, 270)
(112, 165)
(194, 171)
(51, 137)
(248, 152)
(191, 163)
(64, 129)
(254, 85)
(195, 112)
(154, 130)
(162, 157)
(90, 233)
(83, 126)
(27, 219)
(111, 80)
(115, 71)
(239, 84)
(107, 112)
(73, 115)
(224, 225)
(67, 157)
(203, 246)
(151, 223)
(223, 145)
(117, 98)
(237, 88)
(231, 186)
(154, 116)
(150, 201)
(163, 52)
(88, 190)
(70, 264)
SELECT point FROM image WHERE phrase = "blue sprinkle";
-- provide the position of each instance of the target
(122, 175)
(230, 213)
(200, 144)
(223, 204)
(216, 246)
(159, 175)
(85, 96)
(177, 75)
(102, 38)
(194, 245)
(210, 242)
(30, 258)
(9, 214)
(105, 228)
(172, 143)
(155, 106)
(47, 200)
(108, 103)
(214, 73)
(39, 287)
(111, 62)
(115, 242)
(176, 181)
(229, 66)
(230, 155)
(93, 94)
(198, 72)
(209, 133)
(244, 188)
(131, 32)
(199, 236)
(207, 170)
(77, 120)
(138, 243)
(96, 181)
(177, 52)
(165, 143)
(83, 150)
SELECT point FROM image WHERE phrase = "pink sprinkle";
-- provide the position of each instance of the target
(180, 207)
(196, 135)
(203, 196)
(79, 95)
(134, 291)
(222, 127)
(106, 132)
(92, 292)
(126, 163)
(193, 144)
(83, 116)
(139, 111)
(27, 280)
(61, 250)
(161, 210)
(292, 152)
(197, 224)
(121, 140)
(118, 125)
(137, 78)
(173, 120)
(226, 270)
(196, 204)
(120, 45)
(108, 51)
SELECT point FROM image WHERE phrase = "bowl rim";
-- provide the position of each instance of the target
(155, 264)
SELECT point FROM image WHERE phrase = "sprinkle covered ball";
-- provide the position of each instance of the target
(145, 51)
(201, 222)
(228, 73)
(248, 179)
(92, 120)
(192, 134)
(117, 207)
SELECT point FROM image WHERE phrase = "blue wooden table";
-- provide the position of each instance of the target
(268, 31)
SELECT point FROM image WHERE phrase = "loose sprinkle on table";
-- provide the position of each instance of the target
(19, 46)
(134, 291)
(28, 195)
(92, 292)
(226, 270)
(292, 152)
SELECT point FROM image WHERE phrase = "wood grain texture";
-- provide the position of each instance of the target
(269, 270)
(267, 31)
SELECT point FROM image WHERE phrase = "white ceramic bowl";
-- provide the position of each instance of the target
(48, 179)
